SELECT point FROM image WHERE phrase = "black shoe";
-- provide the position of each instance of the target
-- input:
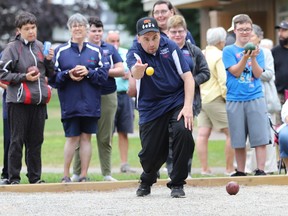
(238, 173)
(39, 182)
(177, 192)
(259, 172)
(143, 190)
(4, 181)
(14, 182)
(4, 176)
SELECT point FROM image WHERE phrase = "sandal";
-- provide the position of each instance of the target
(65, 179)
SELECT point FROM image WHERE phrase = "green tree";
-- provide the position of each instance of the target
(128, 12)
(48, 15)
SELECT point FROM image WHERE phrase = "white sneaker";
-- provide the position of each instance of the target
(75, 178)
(109, 178)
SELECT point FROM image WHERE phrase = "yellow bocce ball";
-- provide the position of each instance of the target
(149, 71)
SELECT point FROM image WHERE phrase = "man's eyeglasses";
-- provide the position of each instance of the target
(162, 12)
(241, 30)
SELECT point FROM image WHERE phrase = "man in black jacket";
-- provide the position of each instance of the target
(280, 54)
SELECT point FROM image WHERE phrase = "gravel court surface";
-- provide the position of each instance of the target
(251, 200)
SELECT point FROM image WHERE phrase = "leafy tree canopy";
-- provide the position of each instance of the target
(128, 12)
(48, 15)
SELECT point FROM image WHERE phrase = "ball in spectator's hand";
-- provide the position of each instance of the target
(33, 68)
(76, 73)
(249, 46)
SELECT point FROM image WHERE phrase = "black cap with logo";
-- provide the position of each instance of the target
(146, 24)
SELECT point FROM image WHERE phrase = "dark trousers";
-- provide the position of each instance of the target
(6, 144)
(154, 137)
(26, 124)
(169, 161)
(6, 137)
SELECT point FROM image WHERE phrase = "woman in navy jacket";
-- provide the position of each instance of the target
(81, 69)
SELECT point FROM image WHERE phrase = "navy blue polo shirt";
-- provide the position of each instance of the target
(187, 57)
(164, 90)
(113, 57)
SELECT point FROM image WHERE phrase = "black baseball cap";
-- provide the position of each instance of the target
(146, 24)
(283, 25)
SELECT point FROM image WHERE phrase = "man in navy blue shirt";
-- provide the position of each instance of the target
(165, 103)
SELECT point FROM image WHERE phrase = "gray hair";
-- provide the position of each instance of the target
(258, 31)
(77, 18)
(268, 43)
(215, 35)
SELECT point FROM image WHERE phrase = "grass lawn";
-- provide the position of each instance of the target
(52, 150)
